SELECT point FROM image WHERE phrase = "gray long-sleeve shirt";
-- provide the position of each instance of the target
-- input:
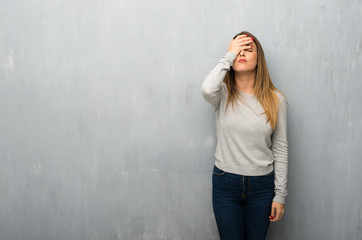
(246, 144)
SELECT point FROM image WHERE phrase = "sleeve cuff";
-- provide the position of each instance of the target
(279, 199)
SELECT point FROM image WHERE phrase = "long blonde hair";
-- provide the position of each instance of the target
(263, 86)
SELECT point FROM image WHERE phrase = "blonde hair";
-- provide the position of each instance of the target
(263, 86)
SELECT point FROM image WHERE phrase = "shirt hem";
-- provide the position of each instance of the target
(245, 171)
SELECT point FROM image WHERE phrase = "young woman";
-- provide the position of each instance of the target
(251, 159)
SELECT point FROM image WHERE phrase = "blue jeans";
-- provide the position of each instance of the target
(242, 204)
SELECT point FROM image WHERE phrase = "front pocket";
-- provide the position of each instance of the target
(218, 171)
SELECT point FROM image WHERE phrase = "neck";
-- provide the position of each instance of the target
(245, 81)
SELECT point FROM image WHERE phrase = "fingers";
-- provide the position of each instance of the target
(272, 214)
(242, 39)
(243, 42)
(276, 212)
(246, 47)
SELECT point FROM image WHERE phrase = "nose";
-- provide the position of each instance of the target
(241, 52)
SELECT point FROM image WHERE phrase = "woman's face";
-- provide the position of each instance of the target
(250, 58)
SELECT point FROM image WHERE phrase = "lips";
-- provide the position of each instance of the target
(242, 60)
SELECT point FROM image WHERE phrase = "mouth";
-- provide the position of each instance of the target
(242, 60)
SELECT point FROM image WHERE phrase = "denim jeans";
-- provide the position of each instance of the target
(242, 204)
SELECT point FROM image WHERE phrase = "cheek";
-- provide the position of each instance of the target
(254, 58)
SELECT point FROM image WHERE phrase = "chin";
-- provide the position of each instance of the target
(243, 69)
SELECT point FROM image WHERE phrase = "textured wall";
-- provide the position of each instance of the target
(104, 133)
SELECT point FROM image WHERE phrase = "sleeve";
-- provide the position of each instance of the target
(211, 86)
(280, 154)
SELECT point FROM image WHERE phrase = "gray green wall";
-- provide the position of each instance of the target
(104, 133)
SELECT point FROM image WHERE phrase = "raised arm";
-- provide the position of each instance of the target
(211, 86)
